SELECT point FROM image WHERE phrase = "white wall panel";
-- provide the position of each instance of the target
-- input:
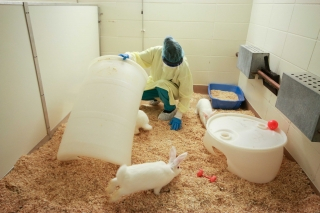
(67, 40)
(22, 123)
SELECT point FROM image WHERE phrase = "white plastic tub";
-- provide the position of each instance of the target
(102, 121)
(253, 151)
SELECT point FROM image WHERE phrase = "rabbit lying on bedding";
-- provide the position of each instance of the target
(204, 109)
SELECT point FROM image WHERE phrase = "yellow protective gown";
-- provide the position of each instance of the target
(176, 80)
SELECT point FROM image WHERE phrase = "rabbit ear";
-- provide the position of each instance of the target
(205, 115)
(172, 154)
(180, 158)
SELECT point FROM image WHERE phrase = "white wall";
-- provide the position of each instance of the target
(65, 46)
(290, 31)
(210, 31)
(22, 124)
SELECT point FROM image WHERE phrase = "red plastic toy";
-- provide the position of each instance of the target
(211, 179)
(272, 124)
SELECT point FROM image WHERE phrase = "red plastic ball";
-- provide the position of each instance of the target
(200, 173)
(272, 124)
(213, 178)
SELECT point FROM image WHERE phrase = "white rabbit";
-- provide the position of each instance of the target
(204, 109)
(142, 122)
(139, 177)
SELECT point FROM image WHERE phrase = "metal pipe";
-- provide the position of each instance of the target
(37, 68)
(267, 78)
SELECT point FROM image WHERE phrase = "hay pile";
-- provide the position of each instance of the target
(40, 183)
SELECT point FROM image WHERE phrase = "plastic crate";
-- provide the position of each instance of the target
(226, 104)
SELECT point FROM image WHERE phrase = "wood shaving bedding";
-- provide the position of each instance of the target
(224, 95)
(40, 183)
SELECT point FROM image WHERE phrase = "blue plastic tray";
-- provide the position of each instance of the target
(226, 104)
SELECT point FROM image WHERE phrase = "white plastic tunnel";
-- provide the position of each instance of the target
(102, 121)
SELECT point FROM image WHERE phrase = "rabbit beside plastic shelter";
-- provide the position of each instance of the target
(204, 109)
(142, 122)
(139, 177)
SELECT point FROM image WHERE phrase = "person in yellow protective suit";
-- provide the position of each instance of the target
(170, 79)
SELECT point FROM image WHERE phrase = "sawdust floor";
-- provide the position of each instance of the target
(40, 183)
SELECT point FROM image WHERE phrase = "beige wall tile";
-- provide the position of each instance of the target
(200, 1)
(315, 146)
(275, 41)
(284, 1)
(200, 78)
(230, 31)
(197, 47)
(120, 44)
(285, 66)
(120, 10)
(223, 77)
(298, 50)
(314, 65)
(263, 1)
(232, 13)
(274, 62)
(162, 12)
(257, 35)
(160, 1)
(198, 12)
(305, 20)
(308, 1)
(317, 179)
(224, 64)
(257, 83)
(281, 15)
(160, 29)
(151, 42)
(196, 30)
(199, 63)
(233, 1)
(260, 14)
(114, 28)
(255, 98)
(301, 150)
(226, 47)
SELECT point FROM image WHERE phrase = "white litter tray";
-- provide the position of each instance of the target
(253, 151)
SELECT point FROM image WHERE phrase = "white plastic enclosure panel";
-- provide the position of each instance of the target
(22, 123)
(66, 40)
